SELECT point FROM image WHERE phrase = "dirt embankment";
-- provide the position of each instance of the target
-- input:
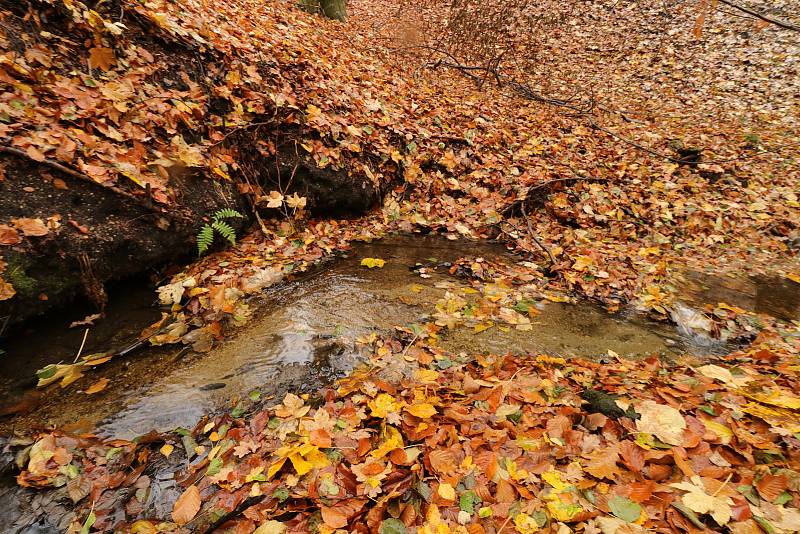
(119, 140)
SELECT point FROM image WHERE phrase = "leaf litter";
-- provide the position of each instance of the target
(418, 438)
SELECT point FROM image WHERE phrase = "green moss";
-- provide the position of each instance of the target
(55, 279)
(16, 274)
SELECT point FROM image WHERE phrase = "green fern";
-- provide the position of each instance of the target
(227, 213)
(204, 239)
(225, 231)
(206, 236)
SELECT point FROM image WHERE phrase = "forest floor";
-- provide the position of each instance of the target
(630, 147)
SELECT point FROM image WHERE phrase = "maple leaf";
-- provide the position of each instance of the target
(274, 200)
(295, 201)
(701, 502)
(102, 57)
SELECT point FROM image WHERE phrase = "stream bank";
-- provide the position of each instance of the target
(304, 333)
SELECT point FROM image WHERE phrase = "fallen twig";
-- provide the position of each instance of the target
(536, 237)
(765, 18)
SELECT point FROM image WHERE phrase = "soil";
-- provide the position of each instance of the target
(119, 236)
(119, 232)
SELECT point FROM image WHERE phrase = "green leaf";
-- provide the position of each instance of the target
(689, 514)
(87, 525)
(783, 498)
(281, 494)
(624, 508)
(214, 467)
(46, 372)
(238, 411)
(467, 501)
(254, 395)
(392, 526)
(764, 524)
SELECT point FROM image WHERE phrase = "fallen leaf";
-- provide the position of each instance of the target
(373, 262)
(98, 386)
(102, 57)
(9, 236)
(187, 506)
(31, 227)
(664, 422)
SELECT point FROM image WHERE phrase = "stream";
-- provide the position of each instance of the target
(303, 336)
(300, 338)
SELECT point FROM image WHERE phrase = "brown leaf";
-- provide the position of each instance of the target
(443, 461)
(102, 57)
(31, 227)
(505, 492)
(603, 463)
(632, 456)
(35, 154)
(339, 515)
(8, 235)
(187, 506)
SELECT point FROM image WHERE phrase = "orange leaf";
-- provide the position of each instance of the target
(334, 517)
(8, 235)
(187, 506)
(102, 57)
(98, 386)
(770, 486)
(31, 227)
(320, 437)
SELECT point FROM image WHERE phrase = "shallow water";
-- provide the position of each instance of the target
(301, 337)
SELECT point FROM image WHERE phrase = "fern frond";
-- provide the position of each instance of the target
(225, 231)
(204, 238)
(226, 213)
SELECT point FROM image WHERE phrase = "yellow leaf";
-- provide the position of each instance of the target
(581, 263)
(373, 262)
(446, 491)
(300, 464)
(554, 479)
(166, 449)
(274, 468)
(392, 439)
(723, 432)
(270, 527)
(383, 405)
(426, 375)
(561, 511)
(422, 410)
(525, 524)
(481, 327)
(776, 417)
(775, 397)
(794, 277)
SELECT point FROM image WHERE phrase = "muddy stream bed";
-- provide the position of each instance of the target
(302, 336)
